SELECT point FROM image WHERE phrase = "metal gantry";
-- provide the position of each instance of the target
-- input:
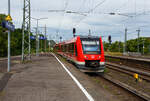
(26, 27)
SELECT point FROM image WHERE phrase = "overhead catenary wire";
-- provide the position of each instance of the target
(61, 21)
(91, 10)
(119, 9)
(123, 5)
(82, 5)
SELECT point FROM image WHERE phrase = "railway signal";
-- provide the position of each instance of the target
(109, 39)
(74, 31)
(60, 38)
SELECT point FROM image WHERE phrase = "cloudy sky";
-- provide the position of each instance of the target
(92, 14)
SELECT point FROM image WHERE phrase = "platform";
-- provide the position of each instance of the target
(44, 80)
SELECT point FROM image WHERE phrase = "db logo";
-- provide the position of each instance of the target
(92, 57)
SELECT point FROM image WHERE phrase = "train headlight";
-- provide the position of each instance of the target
(86, 57)
(99, 57)
(102, 63)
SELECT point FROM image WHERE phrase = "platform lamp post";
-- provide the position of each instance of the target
(45, 37)
(37, 39)
(8, 69)
(10, 27)
(138, 40)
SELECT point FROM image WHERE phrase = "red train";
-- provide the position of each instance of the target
(86, 52)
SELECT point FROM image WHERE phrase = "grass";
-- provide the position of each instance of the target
(106, 70)
(113, 59)
(2, 93)
(96, 80)
(113, 53)
(26, 61)
(105, 86)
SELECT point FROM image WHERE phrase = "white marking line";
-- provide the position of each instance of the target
(90, 98)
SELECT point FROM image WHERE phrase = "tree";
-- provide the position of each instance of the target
(3, 38)
(132, 45)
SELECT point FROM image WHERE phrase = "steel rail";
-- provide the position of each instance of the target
(128, 73)
(128, 88)
(129, 58)
(128, 70)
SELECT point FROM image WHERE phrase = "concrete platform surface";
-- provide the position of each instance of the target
(43, 80)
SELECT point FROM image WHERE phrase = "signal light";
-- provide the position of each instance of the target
(99, 57)
(74, 31)
(86, 57)
(109, 39)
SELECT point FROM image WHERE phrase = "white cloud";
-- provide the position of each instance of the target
(98, 21)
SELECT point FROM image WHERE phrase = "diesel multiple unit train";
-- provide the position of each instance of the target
(86, 52)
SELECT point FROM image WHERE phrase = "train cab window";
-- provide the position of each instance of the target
(91, 46)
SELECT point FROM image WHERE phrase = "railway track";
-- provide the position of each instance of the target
(129, 58)
(139, 94)
(136, 63)
(130, 89)
(128, 70)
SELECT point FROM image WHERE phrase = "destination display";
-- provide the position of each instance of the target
(90, 42)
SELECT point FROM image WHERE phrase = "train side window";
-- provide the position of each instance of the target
(76, 50)
(72, 48)
(65, 48)
(62, 48)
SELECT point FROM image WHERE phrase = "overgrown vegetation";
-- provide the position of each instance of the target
(16, 41)
(132, 46)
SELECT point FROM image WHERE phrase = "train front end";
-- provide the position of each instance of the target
(91, 54)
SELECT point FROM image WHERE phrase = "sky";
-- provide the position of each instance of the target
(91, 14)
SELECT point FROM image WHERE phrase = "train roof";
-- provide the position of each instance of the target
(75, 38)
(89, 36)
